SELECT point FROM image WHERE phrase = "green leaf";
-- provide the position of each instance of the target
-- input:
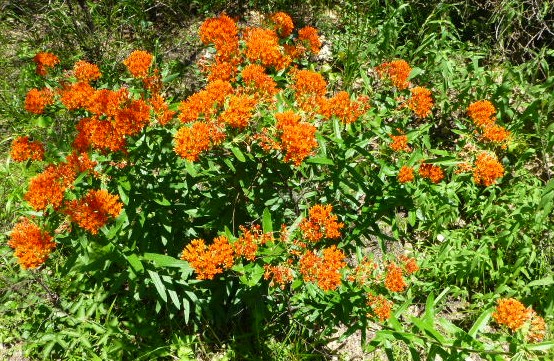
(481, 322)
(320, 160)
(161, 260)
(158, 284)
(174, 298)
(238, 154)
(267, 223)
(543, 346)
(135, 263)
(546, 281)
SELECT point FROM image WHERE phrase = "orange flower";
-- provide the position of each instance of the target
(283, 24)
(239, 111)
(394, 281)
(23, 149)
(247, 245)
(321, 223)
(487, 169)
(364, 272)
(101, 134)
(325, 270)
(421, 101)
(75, 96)
(537, 328)
(399, 143)
(482, 112)
(106, 102)
(258, 82)
(280, 275)
(138, 63)
(221, 70)
(307, 82)
(211, 260)
(192, 140)
(342, 107)
(32, 245)
(410, 264)
(85, 71)
(431, 171)
(463, 167)
(36, 100)
(92, 212)
(45, 61)
(262, 45)
(223, 33)
(205, 102)
(309, 36)
(381, 306)
(398, 72)
(163, 114)
(297, 138)
(48, 187)
(406, 174)
(511, 313)
(495, 133)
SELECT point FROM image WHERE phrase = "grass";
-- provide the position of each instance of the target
(452, 45)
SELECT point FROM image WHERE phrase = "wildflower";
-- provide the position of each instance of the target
(406, 174)
(280, 275)
(325, 270)
(321, 223)
(221, 70)
(511, 313)
(46, 188)
(131, 119)
(205, 102)
(410, 264)
(211, 260)
(101, 134)
(138, 63)
(431, 171)
(399, 143)
(463, 167)
(247, 245)
(394, 281)
(23, 149)
(80, 163)
(45, 61)
(75, 96)
(92, 212)
(161, 109)
(487, 169)
(86, 72)
(256, 80)
(262, 45)
(283, 24)
(32, 245)
(363, 273)
(482, 112)
(421, 101)
(342, 107)
(309, 36)
(223, 33)
(153, 83)
(192, 140)
(537, 328)
(239, 111)
(307, 82)
(36, 100)
(297, 138)
(495, 133)
(380, 306)
(397, 71)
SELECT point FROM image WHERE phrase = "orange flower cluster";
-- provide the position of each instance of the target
(36, 100)
(342, 107)
(258, 82)
(431, 171)
(421, 101)
(511, 313)
(297, 138)
(397, 71)
(32, 245)
(247, 245)
(77, 95)
(262, 45)
(23, 150)
(406, 174)
(282, 23)
(307, 82)
(45, 61)
(281, 275)
(205, 102)
(321, 223)
(211, 260)
(192, 140)
(410, 264)
(223, 33)
(161, 109)
(537, 328)
(400, 143)
(482, 112)
(308, 35)
(325, 270)
(92, 211)
(380, 306)
(487, 169)
(394, 280)
(138, 63)
(495, 133)
(86, 72)
(239, 111)
(364, 272)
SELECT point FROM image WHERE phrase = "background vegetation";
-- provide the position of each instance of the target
(474, 244)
